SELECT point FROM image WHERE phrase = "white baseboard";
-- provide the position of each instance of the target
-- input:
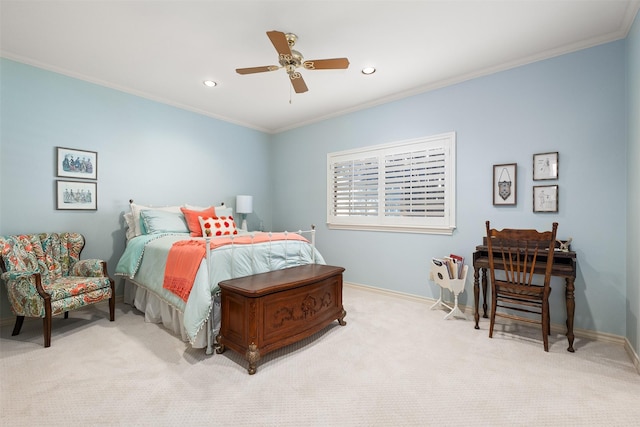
(632, 355)
(391, 293)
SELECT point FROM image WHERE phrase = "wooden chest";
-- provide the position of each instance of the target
(267, 311)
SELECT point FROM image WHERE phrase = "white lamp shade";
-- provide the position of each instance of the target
(244, 204)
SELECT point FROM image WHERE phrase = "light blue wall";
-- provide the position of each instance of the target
(633, 160)
(153, 153)
(573, 104)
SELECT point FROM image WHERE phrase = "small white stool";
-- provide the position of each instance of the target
(440, 275)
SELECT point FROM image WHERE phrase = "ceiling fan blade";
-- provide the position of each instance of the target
(298, 82)
(326, 64)
(252, 70)
(279, 40)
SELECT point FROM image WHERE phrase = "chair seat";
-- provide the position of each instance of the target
(519, 290)
(81, 300)
(69, 286)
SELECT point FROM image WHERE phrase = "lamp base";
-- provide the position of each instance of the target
(244, 225)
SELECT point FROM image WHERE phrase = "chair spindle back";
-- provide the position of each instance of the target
(519, 250)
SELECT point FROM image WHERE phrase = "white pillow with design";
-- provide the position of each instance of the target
(218, 226)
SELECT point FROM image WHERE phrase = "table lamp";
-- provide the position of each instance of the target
(244, 206)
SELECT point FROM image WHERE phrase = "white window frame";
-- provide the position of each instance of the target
(368, 212)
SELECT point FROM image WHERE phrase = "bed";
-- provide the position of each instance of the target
(213, 249)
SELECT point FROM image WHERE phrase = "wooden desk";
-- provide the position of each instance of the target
(266, 311)
(564, 265)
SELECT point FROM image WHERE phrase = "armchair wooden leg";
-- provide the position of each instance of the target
(112, 308)
(66, 314)
(112, 302)
(18, 325)
(46, 323)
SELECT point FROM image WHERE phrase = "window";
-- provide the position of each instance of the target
(404, 186)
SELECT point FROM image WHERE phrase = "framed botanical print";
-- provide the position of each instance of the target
(76, 195)
(504, 184)
(72, 163)
(545, 198)
(545, 166)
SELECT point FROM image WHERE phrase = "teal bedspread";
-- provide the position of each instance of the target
(145, 257)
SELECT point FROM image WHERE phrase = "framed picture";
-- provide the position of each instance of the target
(76, 195)
(73, 163)
(504, 184)
(545, 166)
(545, 198)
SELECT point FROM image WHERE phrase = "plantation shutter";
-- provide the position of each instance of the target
(355, 187)
(415, 184)
(403, 186)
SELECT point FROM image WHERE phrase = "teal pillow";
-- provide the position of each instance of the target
(157, 221)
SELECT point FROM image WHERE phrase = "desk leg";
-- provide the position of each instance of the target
(571, 306)
(484, 292)
(476, 297)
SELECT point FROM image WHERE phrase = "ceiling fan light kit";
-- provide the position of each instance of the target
(291, 60)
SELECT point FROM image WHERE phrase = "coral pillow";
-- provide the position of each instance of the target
(218, 226)
(191, 217)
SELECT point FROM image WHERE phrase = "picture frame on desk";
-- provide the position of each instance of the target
(545, 198)
(545, 166)
(505, 184)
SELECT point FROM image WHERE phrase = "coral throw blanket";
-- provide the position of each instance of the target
(185, 257)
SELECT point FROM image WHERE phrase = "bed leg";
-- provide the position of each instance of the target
(209, 324)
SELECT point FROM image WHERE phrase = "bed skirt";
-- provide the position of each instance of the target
(159, 311)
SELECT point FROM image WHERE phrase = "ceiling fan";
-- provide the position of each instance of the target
(291, 60)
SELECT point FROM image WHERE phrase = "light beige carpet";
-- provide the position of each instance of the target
(395, 363)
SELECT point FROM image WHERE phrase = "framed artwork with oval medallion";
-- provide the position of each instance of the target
(504, 184)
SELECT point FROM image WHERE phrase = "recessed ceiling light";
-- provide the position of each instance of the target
(368, 70)
(209, 83)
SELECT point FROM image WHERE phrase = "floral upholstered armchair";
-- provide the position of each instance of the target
(45, 277)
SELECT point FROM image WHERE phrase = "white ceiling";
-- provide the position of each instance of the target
(164, 50)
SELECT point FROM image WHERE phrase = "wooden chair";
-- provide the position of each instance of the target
(521, 254)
